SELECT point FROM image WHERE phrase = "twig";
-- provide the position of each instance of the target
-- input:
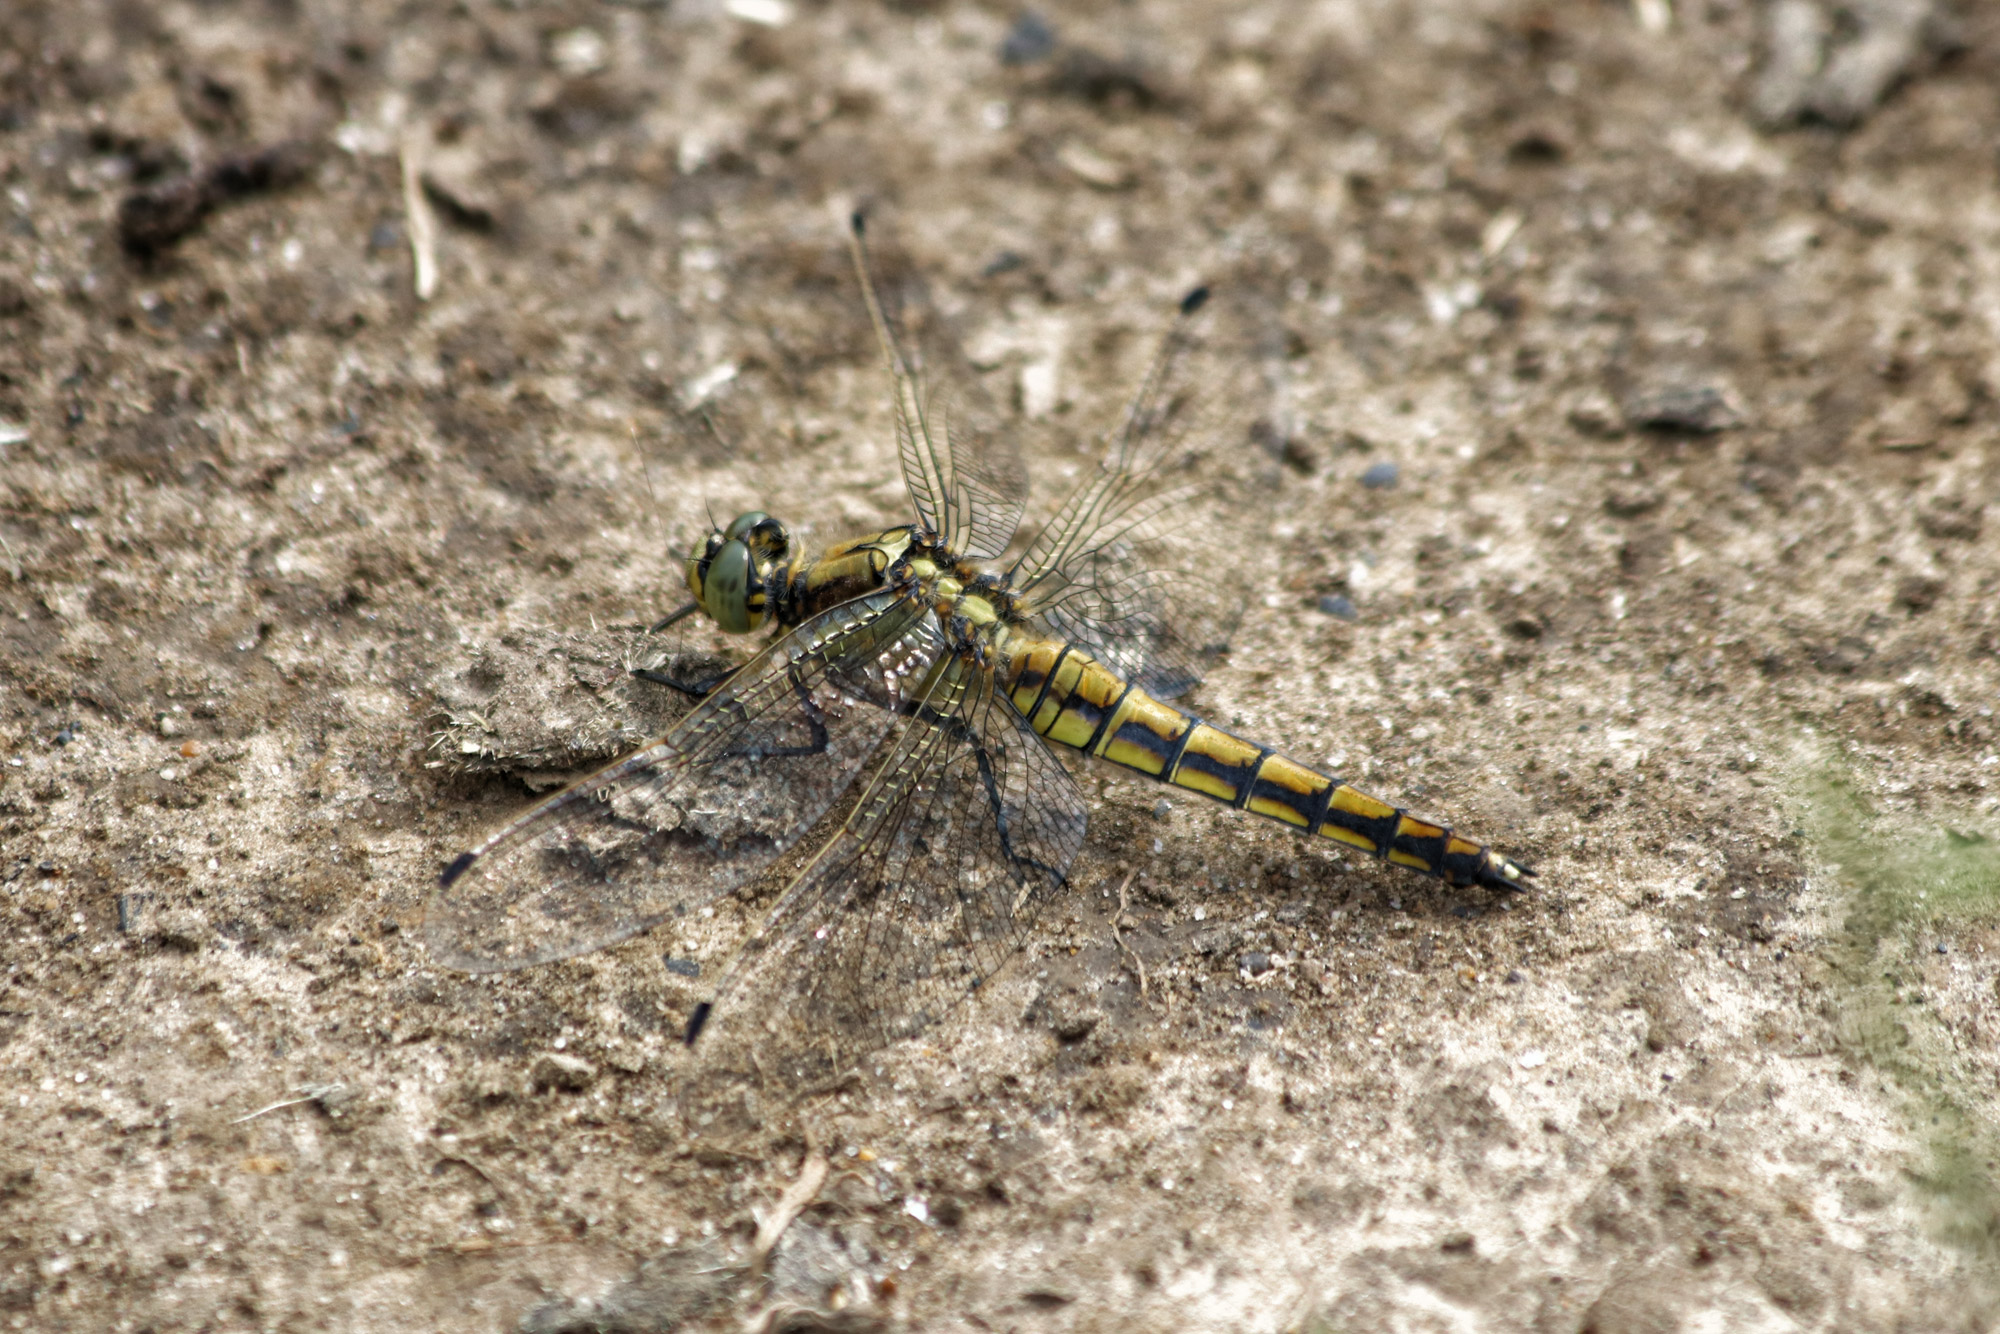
(1138, 964)
(812, 1176)
(480, 1245)
(307, 1093)
(422, 222)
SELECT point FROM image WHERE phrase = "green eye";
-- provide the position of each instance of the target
(725, 589)
(743, 525)
(730, 579)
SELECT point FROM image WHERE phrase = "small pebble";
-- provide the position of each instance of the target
(1030, 39)
(683, 967)
(1381, 476)
(1338, 604)
(765, 13)
(559, 1070)
(1698, 408)
(1162, 809)
(1795, 36)
(578, 52)
(1534, 1058)
(1256, 963)
(1515, 977)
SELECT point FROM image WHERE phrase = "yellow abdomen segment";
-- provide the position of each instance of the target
(1071, 699)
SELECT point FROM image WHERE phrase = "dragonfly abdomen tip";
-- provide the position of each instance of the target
(455, 870)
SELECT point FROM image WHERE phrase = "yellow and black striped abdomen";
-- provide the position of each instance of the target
(1075, 701)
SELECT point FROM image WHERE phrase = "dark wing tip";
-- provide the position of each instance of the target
(698, 1021)
(858, 221)
(1194, 301)
(455, 870)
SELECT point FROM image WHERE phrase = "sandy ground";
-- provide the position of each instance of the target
(1677, 324)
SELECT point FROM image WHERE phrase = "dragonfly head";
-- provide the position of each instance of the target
(730, 578)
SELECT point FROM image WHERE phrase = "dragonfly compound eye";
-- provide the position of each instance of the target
(743, 525)
(730, 579)
(722, 584)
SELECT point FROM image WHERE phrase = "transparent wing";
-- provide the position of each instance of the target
(696, 813)
(965, 474)
(967, 829)
(1141, 565)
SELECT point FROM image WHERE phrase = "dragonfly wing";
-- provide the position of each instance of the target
(699, 811)
(1133, 566)
(964, 472)
(1150, 605)
(969, 826)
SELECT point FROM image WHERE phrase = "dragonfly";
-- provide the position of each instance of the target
(908, 716)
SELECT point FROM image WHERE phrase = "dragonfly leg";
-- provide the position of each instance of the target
(696, 689)
(1003, 823)
(815, 721)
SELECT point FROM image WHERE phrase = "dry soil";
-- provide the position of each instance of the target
(1664, 333)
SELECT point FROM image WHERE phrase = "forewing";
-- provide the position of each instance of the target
(962, 466)
(696, 813)
(966, 831)
(1143, 565)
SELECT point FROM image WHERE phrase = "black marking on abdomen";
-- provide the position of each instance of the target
(1469, 868)
(1317, 820)
(1379, 830)
(1247, 789)
(1430, 849)
(1135, 733)
(1042, 695)
(1090, 746)
(1236, 775)
(1173, 764)
(1301, 804)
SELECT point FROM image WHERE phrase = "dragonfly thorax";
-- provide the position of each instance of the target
(731, 578)
(960, 593)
